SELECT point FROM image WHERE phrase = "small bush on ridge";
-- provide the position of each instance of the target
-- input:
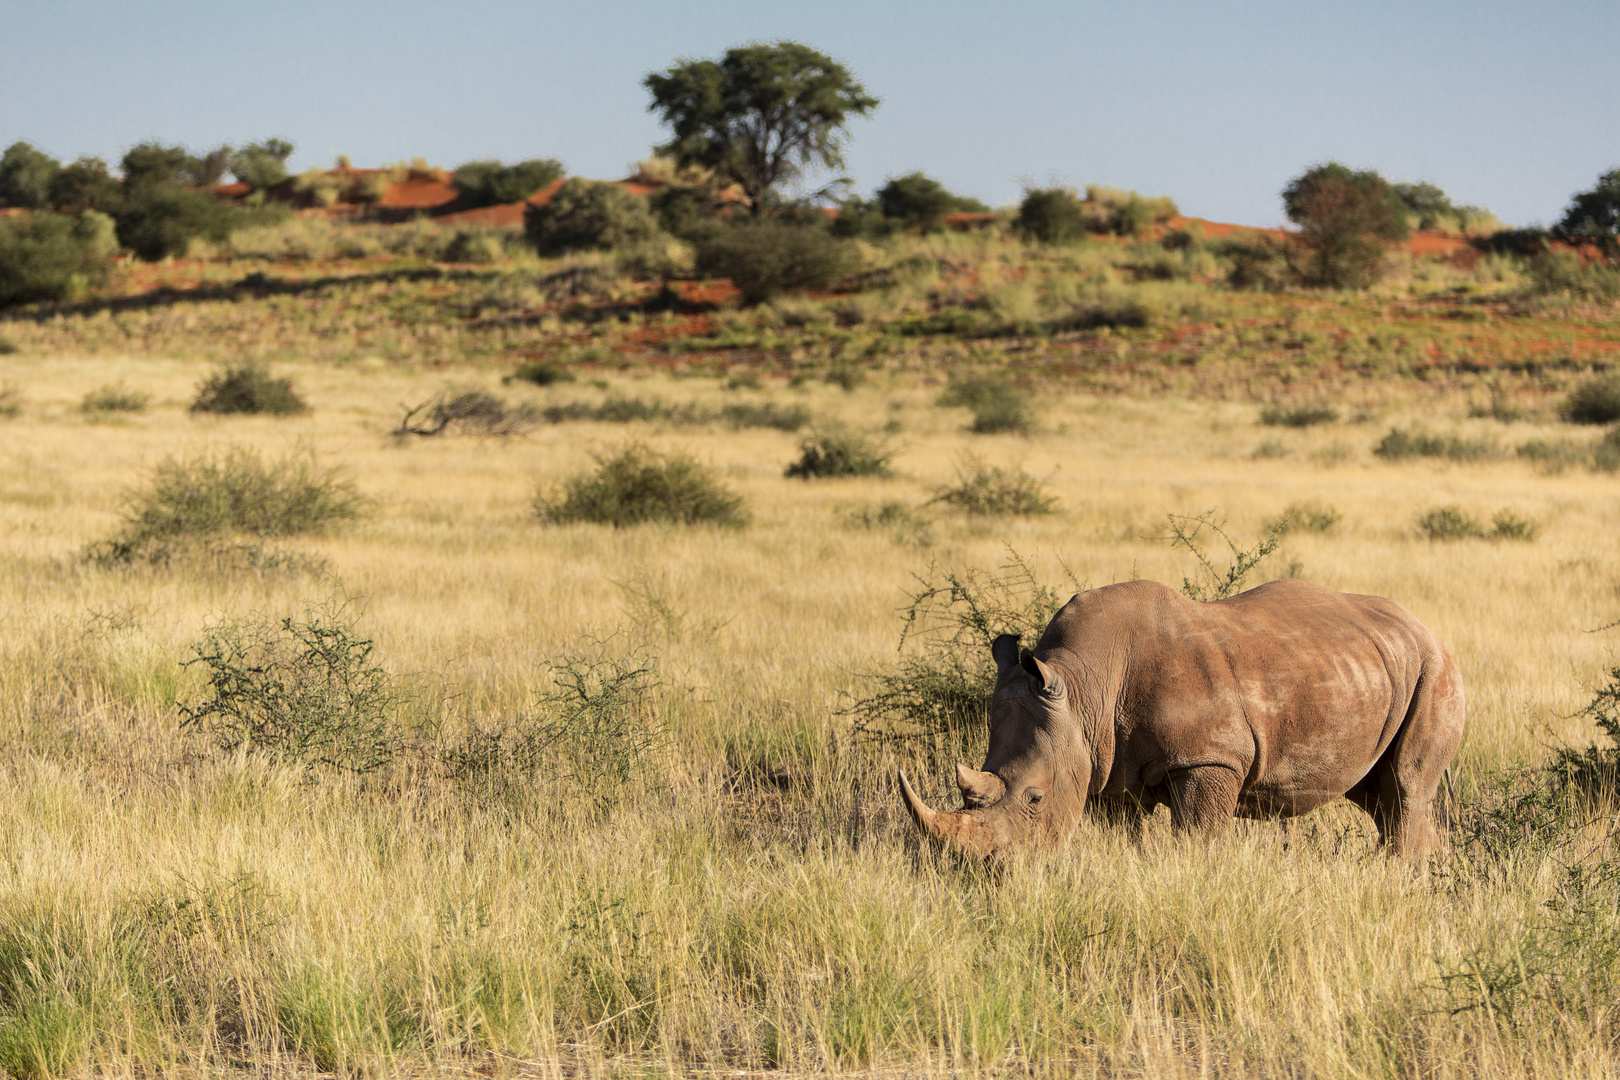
(1454, 523)
(472, 412)
(247, 388)
(53, 257)
(637, 485)
(541, 373)
(585, 215)
(765, 259)
(839, 453)
(1051, 215)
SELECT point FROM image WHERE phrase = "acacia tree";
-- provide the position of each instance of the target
(1346, 218)
(759, 116)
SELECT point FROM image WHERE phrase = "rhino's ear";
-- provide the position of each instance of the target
(1005, 651)
(1046, 679)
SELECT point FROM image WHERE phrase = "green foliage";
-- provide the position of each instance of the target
(1217, 584)
(46, 256)
(1593, 217)
(638, 485)
(237, 492)
(541, 373)
(999, 406)
(991, 491)
(247, 388)
(26, 175)
(261, 165)
(920, 202)
(491, 183)
(1454, 523)
(760, 116)
(1278, 414)
(1565, 274)
(690, 213)
(305, 691)
(152, 164)
(114, 397)
(839, 453)
(1594, 401)
(85, 185)
(475, 245)
(1400, 444)
(1051, 215)
(10, 402)
(1304, 517)
(584, 215)
(766, 259)
(1428, 207)
(1346, 218)
(1124, 213)
(1606, 456)
(157, 221)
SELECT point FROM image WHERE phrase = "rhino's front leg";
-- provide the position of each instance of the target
(1203, 799)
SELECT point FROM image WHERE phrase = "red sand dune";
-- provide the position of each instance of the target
(414, 194)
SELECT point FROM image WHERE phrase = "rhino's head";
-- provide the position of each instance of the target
(1034, 782)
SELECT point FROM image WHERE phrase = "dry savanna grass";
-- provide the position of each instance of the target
(743, 893)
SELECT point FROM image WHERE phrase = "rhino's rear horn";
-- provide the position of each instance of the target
(1004, 650)
(979, 788)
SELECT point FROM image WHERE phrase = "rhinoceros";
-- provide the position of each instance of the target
(1267, 704)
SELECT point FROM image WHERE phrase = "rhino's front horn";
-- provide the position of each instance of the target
(927, 819)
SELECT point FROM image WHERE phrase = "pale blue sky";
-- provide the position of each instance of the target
(1513, 106)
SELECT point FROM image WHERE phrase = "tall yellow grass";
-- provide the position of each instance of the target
(189, 912)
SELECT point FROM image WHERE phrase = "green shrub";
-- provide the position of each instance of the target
(1593, 217)
(1595, 401)
(490, 183)
(1566, 274)
(114, 397)
(305, 691)
(920, 202)
(261, 165)
(584, 215)
(475, 246)
(989, 491)
(1555, 457)
(1449, 523)
(10, 402)
(26, 175)
(839, 453)
(247, 388)
(765, 415)
(237, 492)
(48, 256)
(1506, 525)
(998, 406)
(638, 485)
(161, 220)
(690, 213)
(904, 524)
(1304, 517)
(1400, 444)
(1124, 213)
(1298, 416)
(541, 373)
(765, 259)
(1051, 215)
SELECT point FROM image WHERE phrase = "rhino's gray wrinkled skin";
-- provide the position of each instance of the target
(1267, 704)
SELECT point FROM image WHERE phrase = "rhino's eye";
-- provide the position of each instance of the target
(1035, 798)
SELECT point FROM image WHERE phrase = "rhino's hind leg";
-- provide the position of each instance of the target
(1203, 799)
(1401, 791)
